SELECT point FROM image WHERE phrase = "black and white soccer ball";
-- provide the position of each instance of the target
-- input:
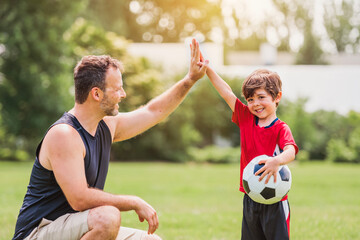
(266, 193)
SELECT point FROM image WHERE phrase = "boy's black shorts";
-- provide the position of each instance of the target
(265, 222)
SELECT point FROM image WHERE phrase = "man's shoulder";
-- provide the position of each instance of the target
(62, 135)
(62, 130)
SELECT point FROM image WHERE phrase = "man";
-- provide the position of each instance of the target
(65, 199)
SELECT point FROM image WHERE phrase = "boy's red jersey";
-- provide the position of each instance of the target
(255, 140)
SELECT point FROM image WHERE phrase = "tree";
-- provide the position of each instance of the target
(35, 82)
(342, 24)
(156, 20)
(310, 52)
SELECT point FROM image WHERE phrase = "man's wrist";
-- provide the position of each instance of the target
(134, 202)
(190, 80)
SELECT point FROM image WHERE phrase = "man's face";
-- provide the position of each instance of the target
(113, 93)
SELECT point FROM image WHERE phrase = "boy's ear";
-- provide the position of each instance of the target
(278, 97)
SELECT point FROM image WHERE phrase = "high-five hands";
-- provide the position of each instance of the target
(197, 64)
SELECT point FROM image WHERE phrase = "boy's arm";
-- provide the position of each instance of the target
(222, 87)
(272, 164)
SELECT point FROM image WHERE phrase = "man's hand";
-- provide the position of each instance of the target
(148, 213)
(196, 70)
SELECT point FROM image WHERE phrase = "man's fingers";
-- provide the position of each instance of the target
(153, 224)
(196, 53)
(193, 48)
(197, 56)
(201, 57)
(150, 229)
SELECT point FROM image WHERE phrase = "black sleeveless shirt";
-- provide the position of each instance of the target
(44, 197)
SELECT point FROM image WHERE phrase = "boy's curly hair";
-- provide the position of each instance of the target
(262, 78)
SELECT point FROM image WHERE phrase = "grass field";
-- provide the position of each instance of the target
(202, 201)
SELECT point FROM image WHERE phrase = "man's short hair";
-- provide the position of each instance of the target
(91, 72)
(262, 78)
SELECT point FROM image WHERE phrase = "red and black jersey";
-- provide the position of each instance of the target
(256, 140)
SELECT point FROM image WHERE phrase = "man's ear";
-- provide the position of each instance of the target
(96, 94)
(278, 97)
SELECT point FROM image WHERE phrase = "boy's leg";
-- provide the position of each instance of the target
(276, 221)
(251, 226)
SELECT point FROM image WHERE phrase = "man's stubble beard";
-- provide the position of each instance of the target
(108, 108)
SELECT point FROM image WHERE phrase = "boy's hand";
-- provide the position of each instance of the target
(269, 169)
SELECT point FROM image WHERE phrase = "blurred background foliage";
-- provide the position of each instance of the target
(41, 41)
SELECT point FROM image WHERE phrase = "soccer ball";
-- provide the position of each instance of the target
(266, 193)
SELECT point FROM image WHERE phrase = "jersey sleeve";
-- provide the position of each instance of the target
(286, 138)
(241, 113)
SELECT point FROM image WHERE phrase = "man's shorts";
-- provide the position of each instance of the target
(73, 226)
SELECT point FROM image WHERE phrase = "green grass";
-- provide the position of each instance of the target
(203, 202)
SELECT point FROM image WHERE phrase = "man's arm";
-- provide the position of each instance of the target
(222, 87)
(67, 163)
(128, 125)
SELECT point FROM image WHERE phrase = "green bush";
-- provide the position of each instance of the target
(303, 156)
(215, 154)
(339, 151)
(354, 141)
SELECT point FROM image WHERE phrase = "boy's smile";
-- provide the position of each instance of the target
(263, 106)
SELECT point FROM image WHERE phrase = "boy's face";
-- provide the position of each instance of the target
(262, 105)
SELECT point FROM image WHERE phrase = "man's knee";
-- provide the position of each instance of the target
(105, 218)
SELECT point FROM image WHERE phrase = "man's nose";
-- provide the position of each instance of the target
(123, 94)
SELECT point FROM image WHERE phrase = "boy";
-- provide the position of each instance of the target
(261, 132)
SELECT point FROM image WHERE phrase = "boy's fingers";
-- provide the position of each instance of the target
(262, 169)
(201, 57)
(262, 162)
(268, 179)
(204, 66)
